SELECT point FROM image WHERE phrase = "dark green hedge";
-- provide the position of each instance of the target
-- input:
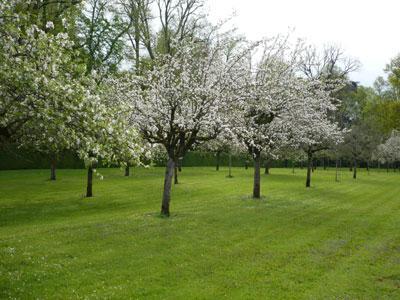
(12, 158)
(204, 159)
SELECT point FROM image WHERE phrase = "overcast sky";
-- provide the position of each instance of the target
(366, 29)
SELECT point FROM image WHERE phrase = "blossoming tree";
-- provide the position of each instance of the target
(265, 100)
(106, 136)
(389, 151)
(325, 74)
(40, 86)
(314, 129)
(179, 103)
(46, 101)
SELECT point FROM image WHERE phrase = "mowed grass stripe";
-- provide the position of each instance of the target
(335, 240)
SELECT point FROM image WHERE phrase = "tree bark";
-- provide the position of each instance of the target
(176, 174)
(257, 178)
(355, 169)
(89, 190)
(218, 157)
(266, 167)
(53, 168)
(127, 170)
(309, 168)
(230, 166)
(169, 170)
(337, 170)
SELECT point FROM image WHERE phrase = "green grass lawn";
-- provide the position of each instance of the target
(333, 241)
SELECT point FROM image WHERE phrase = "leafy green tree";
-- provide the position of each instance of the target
(385, 115)
(101, 33)
(393, 71)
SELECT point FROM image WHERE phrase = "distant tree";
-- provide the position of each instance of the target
(381, 86)
(101, 31)
(383, 114)
(264, 102)
(328, 64)
(315, 130)
(158, 24)
(328, 69)
(267, 159)
(393, 71)
(389, 151)
(107, 135)
(292, 154)
(359, 144)
(224, 143)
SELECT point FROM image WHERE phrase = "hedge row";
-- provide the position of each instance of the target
(12, 158)
(15, 159)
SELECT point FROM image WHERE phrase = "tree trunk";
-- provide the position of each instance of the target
(309, 169)
(137, 43)
(127, 170)
(89, 190)
(355, 169)
(257, 179)
(266, 167)
(293, 167)
(337, 170)
(218, 157)
(368, 166)
(323, 163)
(53, 168)
(176, 174)
(230, 166)
(169, 171)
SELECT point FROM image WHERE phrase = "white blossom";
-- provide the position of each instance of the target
(50, 25)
